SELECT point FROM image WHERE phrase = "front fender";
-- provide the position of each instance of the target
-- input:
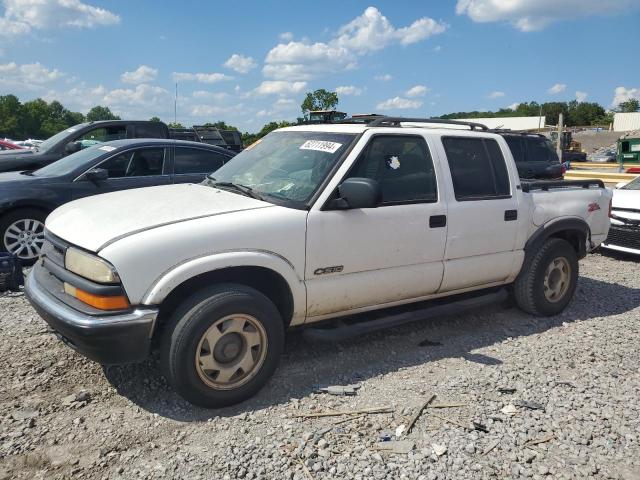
(176, 275)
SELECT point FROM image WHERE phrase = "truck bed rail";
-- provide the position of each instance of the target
(547, 184)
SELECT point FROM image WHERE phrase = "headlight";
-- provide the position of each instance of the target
(89, 266)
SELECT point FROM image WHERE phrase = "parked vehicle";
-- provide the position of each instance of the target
(71, 141)
(624, 234)
(5, 145)
(534, 155)
(606, 156)
(314, 222)
(26, 198)
(231, 139)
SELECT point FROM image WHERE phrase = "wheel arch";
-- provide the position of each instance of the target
(268, 274)
(574, 230)
(14, 206)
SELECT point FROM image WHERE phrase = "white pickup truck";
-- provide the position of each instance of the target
(311, 223)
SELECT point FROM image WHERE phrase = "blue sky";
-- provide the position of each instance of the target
(251, 62)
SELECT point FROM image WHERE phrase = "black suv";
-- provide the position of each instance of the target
(534, 155)
(76, 138)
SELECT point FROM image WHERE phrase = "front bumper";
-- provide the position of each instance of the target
(108, 339)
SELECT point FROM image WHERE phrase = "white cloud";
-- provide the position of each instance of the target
(203, 94)
(531, 15)
(370, 31)
(557, 88)
(623, 94)
(21, 16)
(373, 31)
(279, 87)
(28, 75)
(142, 74)
(262, 113)
(240, 63)
(437, 48)
(581, 96)
(303, 61)
(417, 91)
(496, 94)
(141, 95)
(383, 78)
(206, 110)
(399, 103)
(349, 90)
(200, 77)
(284, 103)
(286, 36)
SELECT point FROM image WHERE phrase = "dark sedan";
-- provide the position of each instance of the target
(26, 198)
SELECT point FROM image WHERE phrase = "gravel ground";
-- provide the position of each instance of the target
(540, 398)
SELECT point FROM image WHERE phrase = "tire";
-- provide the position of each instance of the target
(547, 282)
(215, 328)
(26, 221)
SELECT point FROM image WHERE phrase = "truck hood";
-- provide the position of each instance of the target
(94, 222)
(626, 199)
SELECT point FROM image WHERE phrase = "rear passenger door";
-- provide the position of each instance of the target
(192, 164)
(142, 167)
(482, 214)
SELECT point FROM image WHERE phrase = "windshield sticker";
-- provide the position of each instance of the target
(393, 162)
(107, 148)
(320, 146)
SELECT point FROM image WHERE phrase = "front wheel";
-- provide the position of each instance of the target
(222, 345)
(547, 282)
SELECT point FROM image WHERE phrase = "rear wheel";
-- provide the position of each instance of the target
(22, 233)
(222, 345)
(547, 282)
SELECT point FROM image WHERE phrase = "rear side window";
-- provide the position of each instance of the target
(478, 169)
(150, 130)
(516, 147)
(540, 150)
(196, 160)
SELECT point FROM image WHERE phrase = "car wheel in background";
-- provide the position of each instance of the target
(22, 233)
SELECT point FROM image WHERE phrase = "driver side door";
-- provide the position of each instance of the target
(359, 258)
(143, 167)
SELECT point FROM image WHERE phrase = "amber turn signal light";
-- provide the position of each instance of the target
(119, 302)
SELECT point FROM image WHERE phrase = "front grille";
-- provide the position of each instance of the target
(621, 236)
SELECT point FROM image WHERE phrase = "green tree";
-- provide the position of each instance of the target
(321, 99)
(10, 116)
(583, 113)
(631, 105)
(101, 113)
(174, 125)
(154, 119)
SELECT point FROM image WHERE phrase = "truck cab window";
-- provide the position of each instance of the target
(402, 165)
(478, 169)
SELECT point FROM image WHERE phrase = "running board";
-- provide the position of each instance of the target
(346, 331)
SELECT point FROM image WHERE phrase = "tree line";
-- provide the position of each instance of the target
(574, 113)
(39, 119)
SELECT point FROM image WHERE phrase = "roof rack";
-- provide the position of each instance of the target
(515, 132)
(397, 121)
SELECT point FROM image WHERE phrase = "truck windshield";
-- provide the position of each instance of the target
(286, 165)
(632, 185)
(51, 141)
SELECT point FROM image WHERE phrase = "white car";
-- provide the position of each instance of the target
(311, 223)
(624, 234)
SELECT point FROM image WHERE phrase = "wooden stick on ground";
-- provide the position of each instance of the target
(371, 410)
(544, 439)
(448, 405)
(306, 470)
(416, 415)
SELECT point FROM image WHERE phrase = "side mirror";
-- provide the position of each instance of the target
(72, 147)
(96, 175)
(357, 192)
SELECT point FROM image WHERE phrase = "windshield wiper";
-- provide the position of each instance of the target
(247, 191)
